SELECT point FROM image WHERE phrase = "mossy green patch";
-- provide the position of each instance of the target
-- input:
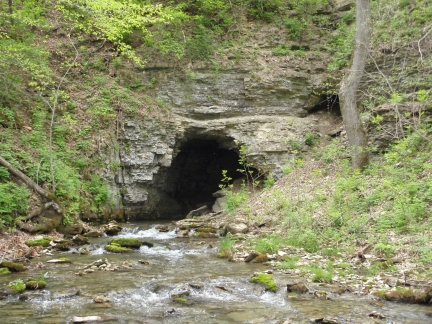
(181, 300)
(115, 248)
(265, 279)
(35, 284)
(4, 271)
(13, 266)
(17, 285)
(45, 242)
(131, 243)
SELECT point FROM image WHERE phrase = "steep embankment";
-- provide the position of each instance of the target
(222, 81)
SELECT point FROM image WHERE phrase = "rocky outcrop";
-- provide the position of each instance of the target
(251, 98)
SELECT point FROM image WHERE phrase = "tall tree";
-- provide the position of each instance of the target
(348, 93)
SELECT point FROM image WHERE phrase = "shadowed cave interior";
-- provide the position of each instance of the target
(196, 173)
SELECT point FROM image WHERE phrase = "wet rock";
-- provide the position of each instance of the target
(131, 243)
(148, 244)
(321, 294)
(66, 294)
(61, 245)
(60, 260)
(377, 315)
(325, 320)
(180, 292)
(407, 295)
(183, 233)
(162, 228)
(80, 240)
(101, 299)
(88, 319)
(97, 263)
(256, 257)
(170, 312)
(201, 234)
(198, 212)
(196, 285)
(112, 228)
(86, 249)
(144, 262)
(236, 228)
(93, 234)
(23, 297)
(297, 287)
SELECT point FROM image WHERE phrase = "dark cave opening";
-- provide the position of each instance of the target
(328, 103)
(196, 173)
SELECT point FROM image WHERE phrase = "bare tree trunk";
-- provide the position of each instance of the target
(49, 197)
(12, 21)
(348, 97)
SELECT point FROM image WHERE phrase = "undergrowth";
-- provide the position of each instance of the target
(387, 206)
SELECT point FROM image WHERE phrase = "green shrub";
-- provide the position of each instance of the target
(295, 26)
(226, 247)
(14, 201)
(265, 10)
(235, 199)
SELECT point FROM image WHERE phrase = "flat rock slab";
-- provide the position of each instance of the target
(88, 319)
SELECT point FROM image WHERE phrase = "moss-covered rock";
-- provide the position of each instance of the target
(115, 248)
(4, 271)
(131, 243)
(34, 284)
(266, 280)
(406, 295)
(13, 266)
(45, 242)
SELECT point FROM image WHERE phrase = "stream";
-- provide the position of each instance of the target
(219, 290)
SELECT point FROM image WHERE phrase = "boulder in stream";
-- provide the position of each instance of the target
(80, 239)
(60, 260)
(90, 319)
(115, 248)
(112, 228)
(131, 243)
(13, 266)
(266, 280)
(93, 234)
(34, 284)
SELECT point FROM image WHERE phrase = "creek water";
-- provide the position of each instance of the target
(219, 290)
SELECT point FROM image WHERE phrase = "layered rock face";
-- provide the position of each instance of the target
(261, 101)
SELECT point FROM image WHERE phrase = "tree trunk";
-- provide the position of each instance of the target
(11, 12)
(49, 197)
(348, 97)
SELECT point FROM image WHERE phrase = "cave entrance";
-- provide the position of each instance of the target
(196, 172)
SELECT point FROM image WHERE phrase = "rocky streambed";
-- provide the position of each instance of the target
(177, 277)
